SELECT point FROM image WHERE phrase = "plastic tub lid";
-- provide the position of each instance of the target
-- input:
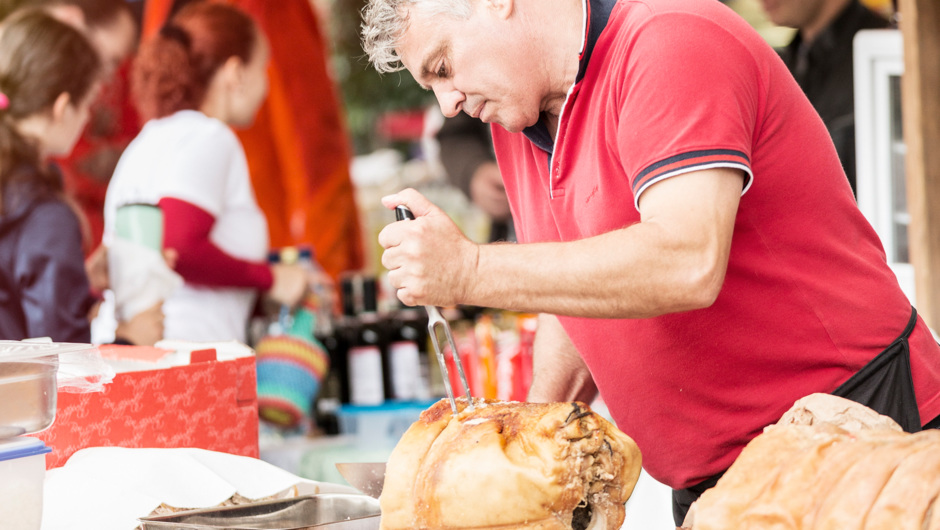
(13, 350)
(21, 448)
(388, 406)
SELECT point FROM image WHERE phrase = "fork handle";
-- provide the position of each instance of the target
(402, 212)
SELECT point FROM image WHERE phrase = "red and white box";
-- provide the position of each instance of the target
(211, 402)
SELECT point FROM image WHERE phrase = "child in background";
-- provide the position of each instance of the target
(203, 72)
(48, 78)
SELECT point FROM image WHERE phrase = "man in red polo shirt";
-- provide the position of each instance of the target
(687, 230)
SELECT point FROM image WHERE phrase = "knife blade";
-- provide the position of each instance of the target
(368, 477)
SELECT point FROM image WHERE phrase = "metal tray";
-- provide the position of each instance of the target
(320, 512)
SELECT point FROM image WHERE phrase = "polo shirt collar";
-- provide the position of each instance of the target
(596, 15)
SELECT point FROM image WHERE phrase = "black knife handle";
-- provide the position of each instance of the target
(402, 212)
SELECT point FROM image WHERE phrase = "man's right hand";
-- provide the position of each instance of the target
(430, 261)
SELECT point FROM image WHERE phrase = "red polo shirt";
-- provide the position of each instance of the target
(674, 86)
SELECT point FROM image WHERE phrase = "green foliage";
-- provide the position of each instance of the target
(367, 94)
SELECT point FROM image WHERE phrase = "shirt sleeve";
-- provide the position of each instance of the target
(186, 230)
(199, 172)
(50, 272)
(689, 101)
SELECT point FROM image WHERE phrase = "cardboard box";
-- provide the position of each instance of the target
(208, 404)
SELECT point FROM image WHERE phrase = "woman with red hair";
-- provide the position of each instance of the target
(298, 149)
(202, 73)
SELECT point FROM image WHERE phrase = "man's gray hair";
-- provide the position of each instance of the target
(384, 22)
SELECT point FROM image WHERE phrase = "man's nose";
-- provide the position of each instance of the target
(449, 98)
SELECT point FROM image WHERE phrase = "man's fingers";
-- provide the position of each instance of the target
(417, 203)
(408, 284)
(389, 261)
(390, 236)
(405, 296)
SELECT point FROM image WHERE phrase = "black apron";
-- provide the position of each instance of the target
(884, 385)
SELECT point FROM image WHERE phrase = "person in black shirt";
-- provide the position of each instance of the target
(468, 158)
(820, 58)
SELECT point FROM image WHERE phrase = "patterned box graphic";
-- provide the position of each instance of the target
(209, 405)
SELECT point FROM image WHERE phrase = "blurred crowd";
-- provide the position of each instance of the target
(152, 154)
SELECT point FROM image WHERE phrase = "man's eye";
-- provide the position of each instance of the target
(442, 72)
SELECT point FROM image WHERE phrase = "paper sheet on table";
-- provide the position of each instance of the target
(109, 488)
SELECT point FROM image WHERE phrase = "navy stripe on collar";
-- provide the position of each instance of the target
(598, 15)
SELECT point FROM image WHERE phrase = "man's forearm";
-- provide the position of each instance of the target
(559, 374)
(599, 277)
(672, 261)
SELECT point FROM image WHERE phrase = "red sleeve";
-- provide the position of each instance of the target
(186, 229)
(690, 98)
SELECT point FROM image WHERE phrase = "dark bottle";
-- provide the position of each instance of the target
(334, 390)
(328, 403)
(344, 333)
(407, 354)
(366, 363)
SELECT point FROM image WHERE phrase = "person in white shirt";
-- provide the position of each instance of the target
(204, 71)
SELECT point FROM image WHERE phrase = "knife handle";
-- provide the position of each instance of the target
(402, 212)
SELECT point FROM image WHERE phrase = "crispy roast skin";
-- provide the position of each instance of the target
(508, 465)
(829, 464)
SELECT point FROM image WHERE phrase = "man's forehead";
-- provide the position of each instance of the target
(420, 41)
(421, 60)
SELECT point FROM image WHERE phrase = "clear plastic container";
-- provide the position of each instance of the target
(22, 471)
(29, 380)
(379, 426)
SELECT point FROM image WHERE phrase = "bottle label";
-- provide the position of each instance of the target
(365, 376)
(406, 369)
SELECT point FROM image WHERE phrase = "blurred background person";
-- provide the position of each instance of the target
(108, 24)
(298, 148)
(466, 152)
(49, 76)
(203, 72)
(111, 28)
(820, 58)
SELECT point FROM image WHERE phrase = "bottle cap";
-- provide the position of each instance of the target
(369, 295)
(289, 255)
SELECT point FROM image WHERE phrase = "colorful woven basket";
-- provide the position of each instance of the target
(291, 367)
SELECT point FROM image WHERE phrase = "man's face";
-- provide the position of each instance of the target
(475, 65)
(792, 13)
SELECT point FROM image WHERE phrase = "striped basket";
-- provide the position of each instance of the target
(291, 367)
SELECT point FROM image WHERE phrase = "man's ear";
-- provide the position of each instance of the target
(60, 106)
(502, 8)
